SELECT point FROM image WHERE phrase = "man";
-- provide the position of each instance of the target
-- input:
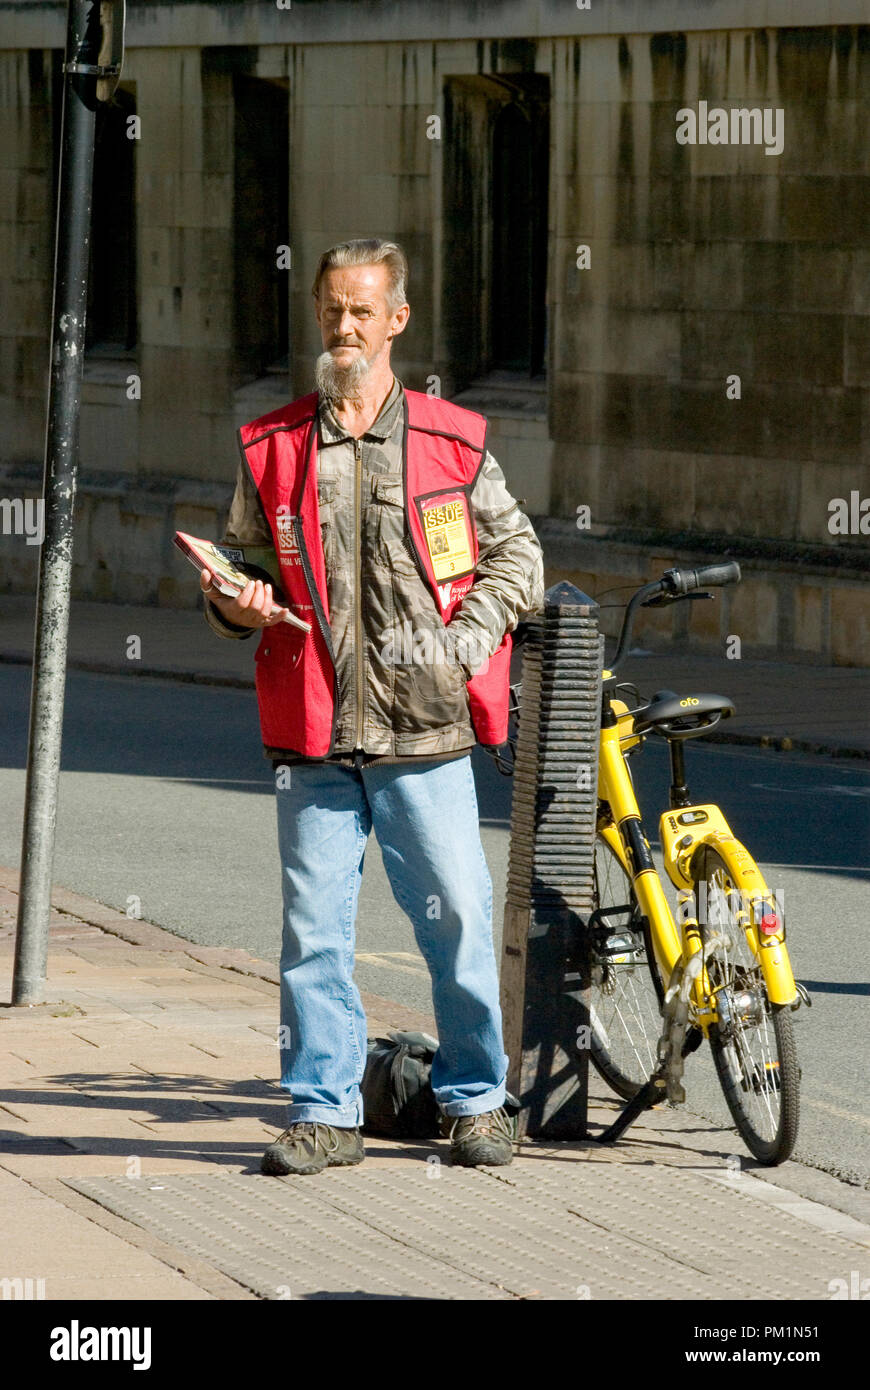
(400, 544)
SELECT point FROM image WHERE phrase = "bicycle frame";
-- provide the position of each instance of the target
(717, 969)
(684, 832)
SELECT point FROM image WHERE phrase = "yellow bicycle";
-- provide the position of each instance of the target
(718, 968)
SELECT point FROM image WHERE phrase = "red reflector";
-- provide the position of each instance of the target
(769, 923)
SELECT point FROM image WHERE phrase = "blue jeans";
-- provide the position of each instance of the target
(426, 820)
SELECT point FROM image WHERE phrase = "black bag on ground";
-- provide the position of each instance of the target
(396, 1090)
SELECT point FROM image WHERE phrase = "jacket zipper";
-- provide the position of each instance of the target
(357, 455)
(321, 621)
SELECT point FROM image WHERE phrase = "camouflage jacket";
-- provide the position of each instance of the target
(385, 624)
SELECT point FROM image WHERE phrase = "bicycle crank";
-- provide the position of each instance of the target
(678, 1039)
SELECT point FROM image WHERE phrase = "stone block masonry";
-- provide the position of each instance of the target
(707, 355)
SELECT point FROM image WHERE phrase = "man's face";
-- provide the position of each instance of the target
(353, 314)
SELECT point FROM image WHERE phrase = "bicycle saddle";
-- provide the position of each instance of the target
(682, 716)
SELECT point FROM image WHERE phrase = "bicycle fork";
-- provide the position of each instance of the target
(749, 907)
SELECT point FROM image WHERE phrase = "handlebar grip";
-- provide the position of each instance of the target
(715, 576)
(708, 576)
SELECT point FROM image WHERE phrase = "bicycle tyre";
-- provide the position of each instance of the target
(626, 996)
(762, 1091)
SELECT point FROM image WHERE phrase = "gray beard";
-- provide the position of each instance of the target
(341, 383)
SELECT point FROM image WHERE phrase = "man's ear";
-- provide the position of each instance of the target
(400, 319)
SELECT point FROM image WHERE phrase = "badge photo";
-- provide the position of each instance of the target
(446, 525)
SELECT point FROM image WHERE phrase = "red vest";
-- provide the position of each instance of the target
(444, 448)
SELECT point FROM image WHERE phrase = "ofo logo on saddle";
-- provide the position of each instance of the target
(735, 125)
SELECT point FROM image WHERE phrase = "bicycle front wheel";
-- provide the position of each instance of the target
(753, 1043)
(626, 994)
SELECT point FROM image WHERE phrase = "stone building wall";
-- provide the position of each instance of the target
(704, 262)
(707, 261)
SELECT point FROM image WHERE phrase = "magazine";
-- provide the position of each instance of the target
(232, 567)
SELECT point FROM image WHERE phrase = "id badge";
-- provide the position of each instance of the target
(448, 533)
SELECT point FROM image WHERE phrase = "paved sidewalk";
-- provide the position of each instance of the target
(823, 709)
(135, 1104)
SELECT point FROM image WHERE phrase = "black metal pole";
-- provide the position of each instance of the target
(69, 303)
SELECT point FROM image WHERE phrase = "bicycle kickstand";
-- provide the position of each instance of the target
(650, 1094)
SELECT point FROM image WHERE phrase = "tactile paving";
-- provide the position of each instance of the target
(546, 1228)
(277, 1238)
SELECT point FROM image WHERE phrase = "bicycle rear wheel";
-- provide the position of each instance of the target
(753, 1044)
(626, 993)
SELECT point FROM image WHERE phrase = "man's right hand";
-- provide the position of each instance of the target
(253, 607)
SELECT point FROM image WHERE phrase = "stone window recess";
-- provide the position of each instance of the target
(111, 327)
(261, 216)
(496, 183)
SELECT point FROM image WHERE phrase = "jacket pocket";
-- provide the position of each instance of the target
(393, 549)
(326, 504)
(279, 677)
(282, 644)
(430, 688)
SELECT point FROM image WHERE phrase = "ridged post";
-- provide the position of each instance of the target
(551, 865)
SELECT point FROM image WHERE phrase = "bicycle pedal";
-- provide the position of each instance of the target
(694, 1038)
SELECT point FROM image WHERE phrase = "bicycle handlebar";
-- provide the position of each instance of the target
(674, 584)
(708, 576)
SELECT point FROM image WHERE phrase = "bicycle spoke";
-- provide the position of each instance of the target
(752, 1043)
(625, 1010)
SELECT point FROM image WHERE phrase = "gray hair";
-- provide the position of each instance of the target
(369, 251)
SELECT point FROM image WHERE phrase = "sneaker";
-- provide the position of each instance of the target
(476, 1139)
(309, 1146)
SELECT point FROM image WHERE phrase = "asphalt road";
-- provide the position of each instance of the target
(166, 799)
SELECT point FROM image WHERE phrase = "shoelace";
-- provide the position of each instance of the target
(312, 1127)
(492, 1122)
